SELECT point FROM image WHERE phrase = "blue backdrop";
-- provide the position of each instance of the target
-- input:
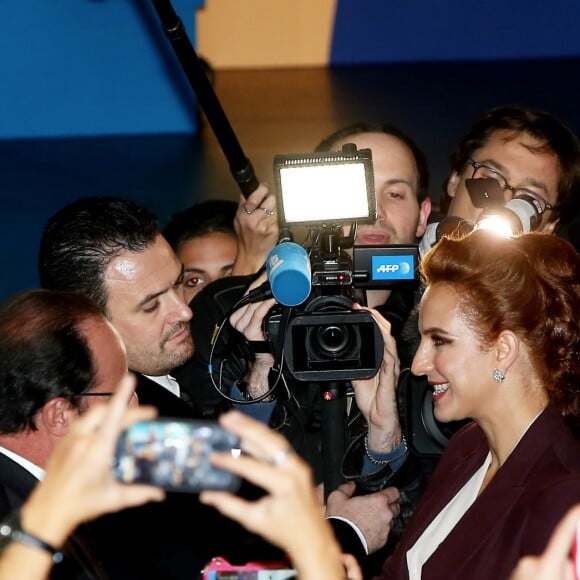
(92, 67)
(379, 31)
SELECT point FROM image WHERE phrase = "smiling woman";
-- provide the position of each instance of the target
(491, 354)
(499, 345)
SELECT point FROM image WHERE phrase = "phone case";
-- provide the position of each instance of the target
(220, 569)
(174, 454)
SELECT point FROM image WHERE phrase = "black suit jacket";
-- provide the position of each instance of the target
(169, 405)
(81, 560)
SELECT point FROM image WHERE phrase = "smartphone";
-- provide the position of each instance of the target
(174, 454)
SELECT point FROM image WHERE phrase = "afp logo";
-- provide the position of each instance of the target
(384, 268)
(399, 267)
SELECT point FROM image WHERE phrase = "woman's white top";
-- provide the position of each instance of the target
(445, 521)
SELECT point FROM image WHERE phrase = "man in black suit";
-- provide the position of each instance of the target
(59, 355)
(112, 250)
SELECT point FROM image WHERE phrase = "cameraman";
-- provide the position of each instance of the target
(401, 176)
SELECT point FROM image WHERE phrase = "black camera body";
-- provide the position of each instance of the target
(333, 344)
(324, 339)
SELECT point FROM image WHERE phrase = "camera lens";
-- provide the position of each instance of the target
(332, 339)
(328, 346)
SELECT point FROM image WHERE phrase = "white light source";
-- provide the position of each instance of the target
(518, 215)
(324, 192)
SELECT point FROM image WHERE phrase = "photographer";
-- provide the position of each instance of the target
(401, 182)
(401, 178)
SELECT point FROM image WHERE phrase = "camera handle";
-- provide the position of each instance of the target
(240, 165)
(334, 421)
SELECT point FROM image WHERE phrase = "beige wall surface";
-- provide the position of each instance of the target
(238, 34)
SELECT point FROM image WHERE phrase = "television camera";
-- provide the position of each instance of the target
(315, 331)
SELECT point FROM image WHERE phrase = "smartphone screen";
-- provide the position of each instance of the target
(174, 454)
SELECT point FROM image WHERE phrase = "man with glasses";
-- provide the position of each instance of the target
(528, 152)
(59, 355)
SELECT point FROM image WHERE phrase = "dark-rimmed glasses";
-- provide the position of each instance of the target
(482, 170)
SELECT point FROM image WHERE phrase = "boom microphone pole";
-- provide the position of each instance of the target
(240, 165)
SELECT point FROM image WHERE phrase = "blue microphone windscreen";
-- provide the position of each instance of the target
(288, 269)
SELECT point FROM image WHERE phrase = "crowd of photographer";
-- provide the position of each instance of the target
(474, 338)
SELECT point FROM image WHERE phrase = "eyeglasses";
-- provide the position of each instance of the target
(481, 170)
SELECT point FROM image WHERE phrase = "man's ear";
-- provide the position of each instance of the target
(424, 213)
(57, 416)
(453, 183)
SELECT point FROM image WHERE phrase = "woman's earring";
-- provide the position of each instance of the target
(498, 376)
